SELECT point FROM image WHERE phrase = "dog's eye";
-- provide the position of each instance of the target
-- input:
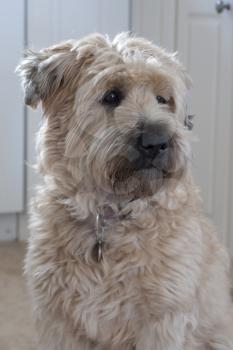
(112, 98)
(161, 100)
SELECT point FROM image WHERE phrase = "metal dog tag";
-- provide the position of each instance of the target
(98, 247)
(97, 251)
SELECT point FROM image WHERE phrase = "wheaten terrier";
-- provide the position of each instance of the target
(120, 254)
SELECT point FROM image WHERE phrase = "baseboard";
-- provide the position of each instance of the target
(8, 227)
(23, 232)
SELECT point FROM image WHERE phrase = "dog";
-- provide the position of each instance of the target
(120, 254)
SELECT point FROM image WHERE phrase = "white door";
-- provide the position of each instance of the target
(70, 19)
(204, 40)
(205, 45)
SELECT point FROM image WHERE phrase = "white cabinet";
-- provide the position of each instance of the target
(70, 19)
(11, 108)
(50, 21)
(43, 23)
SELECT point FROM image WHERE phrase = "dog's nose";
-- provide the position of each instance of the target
(153, 142)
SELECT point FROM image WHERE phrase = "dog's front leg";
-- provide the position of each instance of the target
(168, 333)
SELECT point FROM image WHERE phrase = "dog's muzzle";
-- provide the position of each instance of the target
(150, 147)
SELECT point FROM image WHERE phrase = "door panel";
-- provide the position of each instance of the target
(205, 45)
(203, 103)
(155, 20)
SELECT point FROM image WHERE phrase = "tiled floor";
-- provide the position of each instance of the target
(16, 327)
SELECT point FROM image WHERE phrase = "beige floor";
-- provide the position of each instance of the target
(16, 328)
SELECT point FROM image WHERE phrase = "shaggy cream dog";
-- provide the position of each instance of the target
(120, 255)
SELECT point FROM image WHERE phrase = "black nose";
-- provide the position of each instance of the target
(153, 141)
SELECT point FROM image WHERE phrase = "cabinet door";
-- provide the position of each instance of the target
(12, 110)
(205, 44)
(70, 19)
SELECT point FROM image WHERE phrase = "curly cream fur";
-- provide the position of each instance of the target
(163, 282)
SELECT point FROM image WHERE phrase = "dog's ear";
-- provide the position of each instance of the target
(43, 73)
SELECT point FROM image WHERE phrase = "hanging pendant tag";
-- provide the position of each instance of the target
(100, 251)
(98, 247)
(97, 251)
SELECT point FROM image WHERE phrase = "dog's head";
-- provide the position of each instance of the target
(114, 114)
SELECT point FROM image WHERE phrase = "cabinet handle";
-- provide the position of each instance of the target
(220, 6)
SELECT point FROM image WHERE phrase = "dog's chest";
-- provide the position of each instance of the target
(142, 276)
(130, 286)
(111, 307)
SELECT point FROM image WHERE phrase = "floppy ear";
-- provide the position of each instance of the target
(44, 73)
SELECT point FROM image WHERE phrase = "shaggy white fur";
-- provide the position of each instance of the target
(162, 281)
